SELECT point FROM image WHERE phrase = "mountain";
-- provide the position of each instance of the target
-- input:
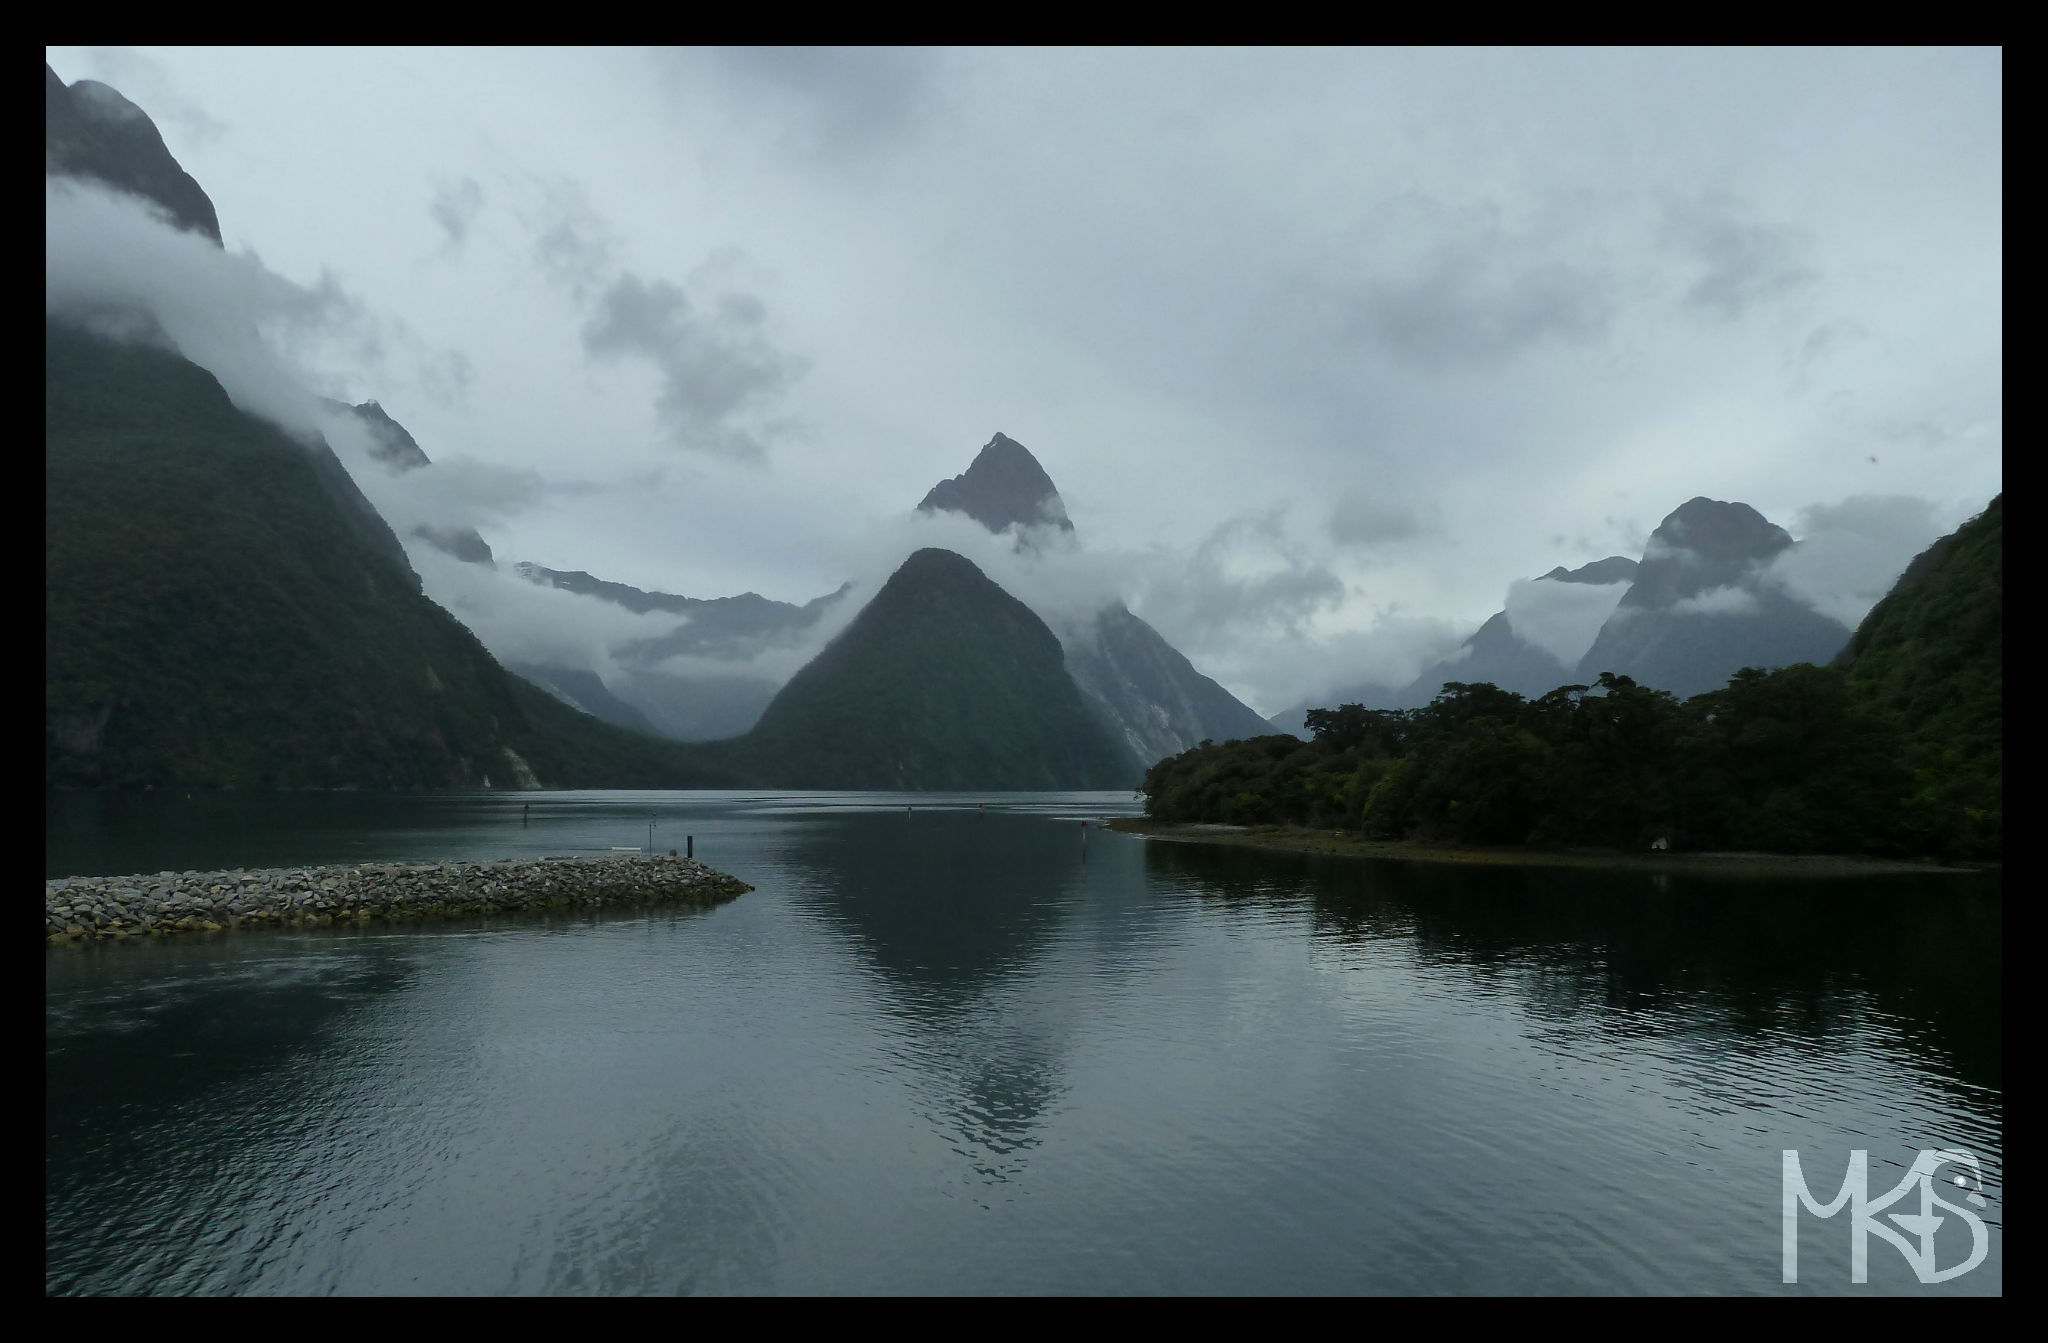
(92, 131)
(1931, 657)
(1495, 653)
(1701, 608)
(214, 616)
(1003, 487)
(223, 607)
(1154, 701)
(943, 681)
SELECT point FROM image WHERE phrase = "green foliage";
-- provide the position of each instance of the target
(1929, 660)
(1803, 759)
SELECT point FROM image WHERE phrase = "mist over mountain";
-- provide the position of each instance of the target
(703, 704)
(1523, 648)
(1702, 607)
(1149, 694)
(223, 606)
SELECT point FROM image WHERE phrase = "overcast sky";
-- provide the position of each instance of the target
(1324, 349)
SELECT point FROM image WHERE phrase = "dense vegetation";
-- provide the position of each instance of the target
(1931, 658)
(1898, 752)
(223, 609)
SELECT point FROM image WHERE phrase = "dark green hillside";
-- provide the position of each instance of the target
(219, 614)
(1931, 657)
(943, 681)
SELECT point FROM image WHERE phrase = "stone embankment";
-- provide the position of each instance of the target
(84, 908)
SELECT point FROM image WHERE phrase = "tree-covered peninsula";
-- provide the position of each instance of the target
(1894, 751)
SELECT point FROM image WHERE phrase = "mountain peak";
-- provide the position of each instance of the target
(90, 130)
(1003, 487)
(1719, 531)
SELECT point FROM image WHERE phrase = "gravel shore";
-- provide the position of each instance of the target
(87, 908)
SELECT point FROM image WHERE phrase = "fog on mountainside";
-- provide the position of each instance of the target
(1719, 587)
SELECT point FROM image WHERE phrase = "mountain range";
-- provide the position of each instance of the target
(1699, 605)
(225, 608)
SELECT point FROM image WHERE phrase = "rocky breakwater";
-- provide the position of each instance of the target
(85, 908)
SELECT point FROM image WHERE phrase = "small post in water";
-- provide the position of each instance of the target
(650, 834)
(689, 846)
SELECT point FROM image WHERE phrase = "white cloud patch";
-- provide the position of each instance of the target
(1730, 600)
(520, 621)
(111, 256)
(1562, 619)
(1849, 554)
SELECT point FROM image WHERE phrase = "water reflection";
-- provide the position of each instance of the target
(955, 910)
(944, 1052)
(1644, 953)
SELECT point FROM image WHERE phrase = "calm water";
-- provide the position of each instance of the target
(949, 1051)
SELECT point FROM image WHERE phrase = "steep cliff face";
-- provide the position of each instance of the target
(1153, 699)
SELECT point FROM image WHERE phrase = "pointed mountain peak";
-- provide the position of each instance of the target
(1003, 487)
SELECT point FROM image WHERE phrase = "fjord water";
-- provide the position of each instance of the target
(946, 1048)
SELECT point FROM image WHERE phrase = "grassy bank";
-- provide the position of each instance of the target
(1298, 839)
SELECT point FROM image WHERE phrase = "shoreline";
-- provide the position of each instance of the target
(1339, 843)
(87, 909)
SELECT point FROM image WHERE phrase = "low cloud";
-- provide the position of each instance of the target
(1849, 554)
(1562, 619)
(262, 335)
(1730, 600)
(520, 621)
